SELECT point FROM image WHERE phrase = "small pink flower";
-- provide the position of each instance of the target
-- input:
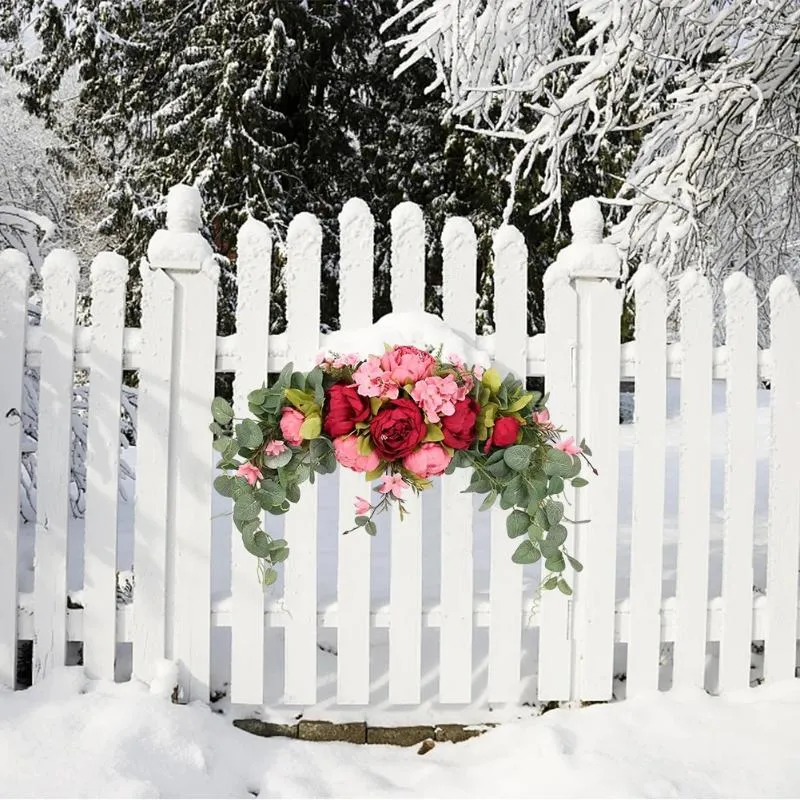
(362, 506)
(345, 449)
(275, 447)
(393, 484)
(407, 364)
(372, 380)
(427, 460)
(437, 396)
(250, 472)
(542, 419)
(291, 422)
(478, 372)
(568, 446)
(348, 360)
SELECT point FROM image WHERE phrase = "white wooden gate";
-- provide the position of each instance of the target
(485, 651)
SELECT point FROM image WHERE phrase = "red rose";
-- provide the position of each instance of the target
(505, 432)
(345, 407)
(397, 429)
(459, 427)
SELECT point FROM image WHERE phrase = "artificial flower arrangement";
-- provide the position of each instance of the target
(401, 418)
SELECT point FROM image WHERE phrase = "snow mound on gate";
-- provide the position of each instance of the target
(416, 328)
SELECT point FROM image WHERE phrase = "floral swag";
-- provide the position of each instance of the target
(402, 418)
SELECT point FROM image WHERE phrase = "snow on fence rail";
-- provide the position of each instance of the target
(175, 613)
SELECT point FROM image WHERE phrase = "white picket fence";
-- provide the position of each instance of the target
(176, 353)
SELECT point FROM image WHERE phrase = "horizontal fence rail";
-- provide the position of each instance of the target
(484, 615)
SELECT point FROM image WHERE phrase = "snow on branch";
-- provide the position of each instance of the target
(706, 94)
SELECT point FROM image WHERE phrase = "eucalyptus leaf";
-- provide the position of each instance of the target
(526, 553)
(249, 435)
(221, 410)
(246, 508)
(225, 484)
(517, 523)
(518, 457)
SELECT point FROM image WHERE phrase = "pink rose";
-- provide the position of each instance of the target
(345, 448)
(428, 460)
(408, 364)
(250, 472)
(291, 422)
(275, 447)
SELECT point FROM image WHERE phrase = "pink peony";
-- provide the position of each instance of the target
(372, 380)
(437, 397)
(275, 447)
(291, 422)
(569, 446)
(408, 364)
(345, 448)
(393, 484)
(362, 506)
(427, 460)
(250, 472)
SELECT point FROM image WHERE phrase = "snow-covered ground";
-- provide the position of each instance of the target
(69, 737)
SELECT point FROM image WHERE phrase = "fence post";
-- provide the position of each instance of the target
(187, 259)
(594, 269)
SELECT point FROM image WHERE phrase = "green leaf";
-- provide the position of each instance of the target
(221, 410)
(222, 443)
(434, 433)
(535, 533)
(249, 435)
(557, 535)
(564, 587)
(585, 447)
(277, 544)
(579, 482)
(281, 554)
(320, 447)
(285, 377)
(312, 427)
(293, 493)
(499, 469)
(270, 576)
(540, 518)
(555, 485)
(491, 379)
(517, 523)
(520, 403)
(554, 511)
(231, 450)
(246, 508)
(257, 397)
(518, 457)
(575, 564)
(526, 553)
(257, 543)
(550, 583)
(371, 528)
(361, 521)
(216, 428)
(488, 501)
(281, 460)
(555, 563)
(224, 484)
(274, 493)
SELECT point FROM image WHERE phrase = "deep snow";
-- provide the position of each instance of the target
(69, 737)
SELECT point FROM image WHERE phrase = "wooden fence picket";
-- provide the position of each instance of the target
(741, 323)
(647, 534)
(505, 577)
(14, 277)
(783, 544)
(304, 247)
(561, 341)
(253, 277)
(357, 230)
(459, 250)
(109, 275)
(154, 464)
(405, 581)
(60, 273)
(694, 514)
